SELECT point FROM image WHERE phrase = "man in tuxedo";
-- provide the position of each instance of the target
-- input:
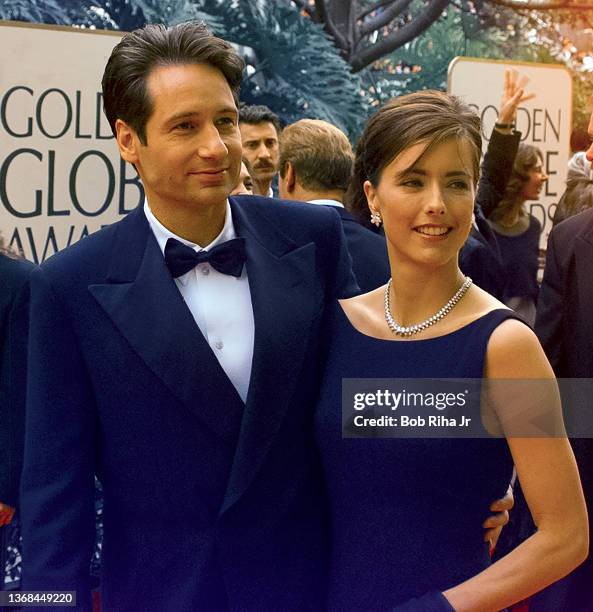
(260, 129)
(14, 277)
(174, 354)
(315, 166)
(564, 325)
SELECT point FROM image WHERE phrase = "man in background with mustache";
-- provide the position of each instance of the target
(260, 128)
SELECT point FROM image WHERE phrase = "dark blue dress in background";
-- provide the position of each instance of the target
(520, 255)
(406, 514)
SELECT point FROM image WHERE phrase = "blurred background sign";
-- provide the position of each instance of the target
(545, 121)
(61, 176)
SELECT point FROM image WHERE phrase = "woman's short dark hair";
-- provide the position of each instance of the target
(528, 157)
(423, 116)
(125, 94)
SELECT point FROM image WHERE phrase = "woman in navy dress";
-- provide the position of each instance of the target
(517, 232)
(407, 514)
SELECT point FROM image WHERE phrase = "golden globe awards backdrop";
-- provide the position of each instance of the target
(61, 176)
(545, 121)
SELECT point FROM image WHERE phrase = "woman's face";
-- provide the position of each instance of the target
(535, 182)
(245, 184)
(426, 201)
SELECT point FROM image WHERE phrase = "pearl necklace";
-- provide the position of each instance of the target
(399, 330)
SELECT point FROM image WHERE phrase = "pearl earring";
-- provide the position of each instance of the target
(376, 218)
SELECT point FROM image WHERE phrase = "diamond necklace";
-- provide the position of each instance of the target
(399, 330)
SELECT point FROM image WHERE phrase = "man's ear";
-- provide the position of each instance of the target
(290, 177)
(127, 141)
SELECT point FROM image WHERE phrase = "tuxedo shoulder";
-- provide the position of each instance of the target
(291, 216)
(14, 275)
(575, 225)
(14, 270)
(89, 256)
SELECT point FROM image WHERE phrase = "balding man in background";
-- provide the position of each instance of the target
(315, 166)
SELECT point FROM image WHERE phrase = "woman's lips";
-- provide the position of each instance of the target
(433, 231)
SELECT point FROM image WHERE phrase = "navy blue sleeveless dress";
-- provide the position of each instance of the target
(406, 514)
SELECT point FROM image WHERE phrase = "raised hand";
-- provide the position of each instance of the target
(513, 94)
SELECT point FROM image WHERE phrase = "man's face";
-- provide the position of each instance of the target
(260, 148)
(192, 155)
(590, 150)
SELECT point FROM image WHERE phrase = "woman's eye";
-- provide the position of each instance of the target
(412, 183)
(462, 185)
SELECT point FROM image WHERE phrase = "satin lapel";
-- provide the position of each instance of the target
(150, 313)
(285, 297)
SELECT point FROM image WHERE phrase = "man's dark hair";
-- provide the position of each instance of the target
(258, 113)
(125, 94)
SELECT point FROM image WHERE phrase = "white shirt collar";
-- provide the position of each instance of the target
(327, 203)
(162, 234)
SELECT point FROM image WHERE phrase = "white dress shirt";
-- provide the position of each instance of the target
(327, 203)
(219, 303)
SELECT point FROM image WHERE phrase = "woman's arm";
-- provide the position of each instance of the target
(549, 478)
(497, 165)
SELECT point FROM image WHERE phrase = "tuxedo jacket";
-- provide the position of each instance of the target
(564, 325)
(368, 251)
(479, 261)
(14, 275)
(564, 322)
(209, 504)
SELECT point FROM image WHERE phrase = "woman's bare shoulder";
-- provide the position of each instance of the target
(514, 351)
(484, 301)
(363, 310)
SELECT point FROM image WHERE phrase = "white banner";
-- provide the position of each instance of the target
(61, 176)
(545, 121)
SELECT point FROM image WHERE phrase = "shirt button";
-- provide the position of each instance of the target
(205, 269)
(218, 344)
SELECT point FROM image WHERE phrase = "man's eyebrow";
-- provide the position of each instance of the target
(190, 114)
(182, 115)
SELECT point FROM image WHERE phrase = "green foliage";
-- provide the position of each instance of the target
(544, 41)
(175, 11)
(38, 11)
(423, 63)
(296, 71)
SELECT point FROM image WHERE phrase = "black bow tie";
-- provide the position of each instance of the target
(227, 258)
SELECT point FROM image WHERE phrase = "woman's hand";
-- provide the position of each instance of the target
(494, 524)
(513, 94)
(6, 514)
